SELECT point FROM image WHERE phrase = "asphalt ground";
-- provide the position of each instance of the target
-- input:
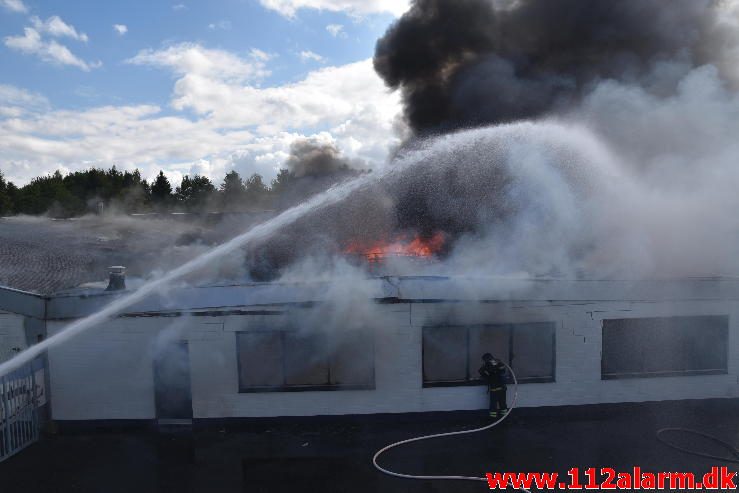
(334, 454)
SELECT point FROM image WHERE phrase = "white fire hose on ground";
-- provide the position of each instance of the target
(440, 435)
(734, 451)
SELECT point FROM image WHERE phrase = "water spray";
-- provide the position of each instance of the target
(448, 434)
(259, 232)
(550, 136)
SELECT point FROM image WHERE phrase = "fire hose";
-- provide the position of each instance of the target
(440, 435)
(734, 451)
(729, 447)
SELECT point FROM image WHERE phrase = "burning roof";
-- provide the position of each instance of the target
(398, 246)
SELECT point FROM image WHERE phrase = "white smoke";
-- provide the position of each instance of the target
(629, 185)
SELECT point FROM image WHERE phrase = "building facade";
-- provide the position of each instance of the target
(404, 345)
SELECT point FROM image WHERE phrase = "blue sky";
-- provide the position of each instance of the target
(189, 87)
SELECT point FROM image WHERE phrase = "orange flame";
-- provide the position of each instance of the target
(400, 246)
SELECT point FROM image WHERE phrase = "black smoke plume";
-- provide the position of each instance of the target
(648, 88)
(309, 157)
(462, 63)
(312, 167)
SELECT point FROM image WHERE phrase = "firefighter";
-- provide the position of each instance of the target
(493, 372)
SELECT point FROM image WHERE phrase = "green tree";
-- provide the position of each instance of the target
(232, 191)
(77, 193)
(7, 192)
(136, 194)
(195, 193)
(256, 192)
(125, 189)
(282, 183)
(161, 191)
(48, 194)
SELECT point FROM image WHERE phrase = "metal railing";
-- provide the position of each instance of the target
(21, 394)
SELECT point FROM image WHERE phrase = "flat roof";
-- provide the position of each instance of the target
(44, 256)
(401, 290)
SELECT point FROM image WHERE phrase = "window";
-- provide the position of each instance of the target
(658, 347)
(292, 360)
(452, 355)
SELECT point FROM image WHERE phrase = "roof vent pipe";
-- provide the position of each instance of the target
(117, 279)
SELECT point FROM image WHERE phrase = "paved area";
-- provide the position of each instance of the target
(331, 455)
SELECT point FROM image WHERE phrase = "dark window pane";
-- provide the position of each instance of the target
(664, 346)
(493, 339)
(306, 358)
(533, 350)
(352, 358)
(260, 359)
(444, 354)
(706, 348)
(622, 347)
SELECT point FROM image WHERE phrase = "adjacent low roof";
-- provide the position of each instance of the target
(44, 256)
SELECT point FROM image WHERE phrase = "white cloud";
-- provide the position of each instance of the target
(230, 123)
(329, 96)
(223, 25)
(31, 43)
(56, 27)
(179, 7)
(289, 8)
(193, 59)
(14, 6)
(307, 55)
(336, 30)
(14, 102)
(20, 97)
(260, 55)
(120, 29)
(212, 84)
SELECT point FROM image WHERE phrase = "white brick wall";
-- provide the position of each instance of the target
(12, 334)
(107, 373)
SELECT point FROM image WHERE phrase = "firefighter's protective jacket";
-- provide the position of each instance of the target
(494, 374)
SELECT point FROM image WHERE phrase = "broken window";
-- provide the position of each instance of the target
(294, 360)
(667, 346)
(452, 355)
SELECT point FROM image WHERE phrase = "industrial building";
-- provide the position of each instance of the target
(238, 351)
(400, 344)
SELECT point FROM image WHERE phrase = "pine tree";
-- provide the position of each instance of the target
(256, 192)
(6, 196)
(195, 193)
(161, 191)
(232, 191)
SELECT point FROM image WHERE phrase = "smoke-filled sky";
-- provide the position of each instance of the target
(191, 86)
(622, 159)
(472, 62)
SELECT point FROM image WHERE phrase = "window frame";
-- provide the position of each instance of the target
(667, 373)
(473, 381)
(258, 389)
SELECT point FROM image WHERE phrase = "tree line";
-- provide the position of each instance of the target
(93, 190)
